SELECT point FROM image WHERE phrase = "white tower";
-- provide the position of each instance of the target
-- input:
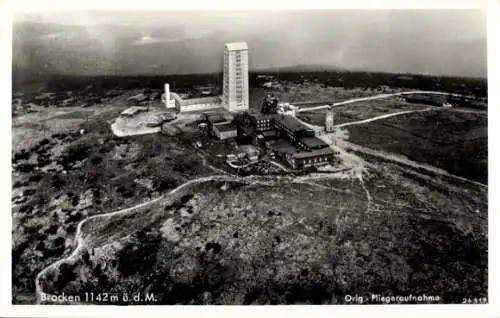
(235, 85)
(167, 91)
(329, 121)
(165, 98)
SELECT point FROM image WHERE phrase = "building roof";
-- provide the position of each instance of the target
(291, 123)
(313, 142)
(216, 118)
(260, 116)
(200, 100)
(237, 46)
(225, 127)
(314, 153)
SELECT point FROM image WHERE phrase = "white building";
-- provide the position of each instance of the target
(196, 104)
(286, 109)
(235, 86)
(177, 102)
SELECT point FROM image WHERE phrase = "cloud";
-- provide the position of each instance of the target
(451, 42)
(148, 40)
(187, 34)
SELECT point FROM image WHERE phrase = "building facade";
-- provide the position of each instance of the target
(235, 81)
(311, 158)
(214, 119)
(292, 128)
(195, 104)
(261, 122)
(224, 131)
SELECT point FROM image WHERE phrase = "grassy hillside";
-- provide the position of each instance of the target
(60, 177)
(454, 141)
(239, 243)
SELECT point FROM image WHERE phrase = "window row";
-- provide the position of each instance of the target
(316, 160)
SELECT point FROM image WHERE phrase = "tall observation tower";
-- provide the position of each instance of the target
(235, 86)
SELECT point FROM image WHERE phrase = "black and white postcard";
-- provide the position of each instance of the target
(235, 156)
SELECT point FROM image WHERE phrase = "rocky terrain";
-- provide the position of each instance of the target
(272, 241)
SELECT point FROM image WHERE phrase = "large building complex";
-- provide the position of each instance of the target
(309, 150)
(274, 122)
(235, 85)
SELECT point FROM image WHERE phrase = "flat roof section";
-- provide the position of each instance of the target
(216, 118)
(237, 46)
(291, 123)
(201, 100)
(259, 116)
(313, 142)
(225, 127)
(314, 153)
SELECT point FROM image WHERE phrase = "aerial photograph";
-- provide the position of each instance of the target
(264, 157)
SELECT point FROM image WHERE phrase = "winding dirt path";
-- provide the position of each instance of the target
(279, 165)
(364, 121)
(368, 195)
(379, 96)
(387, 156)
(80, 242)
(408, 162)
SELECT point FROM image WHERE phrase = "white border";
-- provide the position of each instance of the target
(8, 310)
(52, 5)
(5, 159)
(493, 49)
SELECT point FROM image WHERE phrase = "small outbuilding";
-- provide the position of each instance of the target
(224, 130)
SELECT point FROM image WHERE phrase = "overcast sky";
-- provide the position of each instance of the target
(449, 42)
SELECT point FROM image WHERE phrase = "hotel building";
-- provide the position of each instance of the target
(235, 85)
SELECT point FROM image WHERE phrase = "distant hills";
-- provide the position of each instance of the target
(303, 68)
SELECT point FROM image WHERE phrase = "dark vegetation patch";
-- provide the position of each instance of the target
(349, 80)
(457, 143)
(136, 259)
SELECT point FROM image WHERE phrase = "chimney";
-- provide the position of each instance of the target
(167, 94)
